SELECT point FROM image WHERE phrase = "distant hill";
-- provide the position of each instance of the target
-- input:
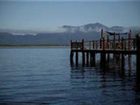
(93, 27)
(44, 38)
(87, 32)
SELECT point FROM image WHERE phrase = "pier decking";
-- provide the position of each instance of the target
(111, 43)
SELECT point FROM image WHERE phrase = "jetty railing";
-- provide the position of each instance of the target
(104, 44)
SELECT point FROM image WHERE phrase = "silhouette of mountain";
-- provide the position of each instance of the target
(92, 27)
(87, 32)
(44, 38)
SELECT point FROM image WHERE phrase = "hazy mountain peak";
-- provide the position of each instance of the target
(88, 32)
(91, 27)
(94, 27)
(95, 24)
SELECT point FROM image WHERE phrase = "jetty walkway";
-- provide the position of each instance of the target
(117, 44)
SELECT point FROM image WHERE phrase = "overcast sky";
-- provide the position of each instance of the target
(48, 15)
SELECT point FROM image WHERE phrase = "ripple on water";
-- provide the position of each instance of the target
(43, 76)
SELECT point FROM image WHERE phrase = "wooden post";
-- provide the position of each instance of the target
(71, 58)
(82, 44)
(101, 33)
(114, 43)
(122, 45)
(90, 45)
(103, 44)
(100, 43)
(76, 58)
(119, 38)
(108, 42)
(103, 54)
(108, 57)
(138, 60)
(122, 64)
(83, 58)
(71, 44)
(76, 45)
(129, 40)
(96, 45)
(87, 58)
(118, 47)
(92, 58)
(93, 45)
(103, 59)
(129, 65)
(134, 43)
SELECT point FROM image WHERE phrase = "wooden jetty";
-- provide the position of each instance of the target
(111, 43)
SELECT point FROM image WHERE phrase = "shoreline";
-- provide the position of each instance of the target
(33, 46)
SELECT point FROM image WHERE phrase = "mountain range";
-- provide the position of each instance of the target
(87, 32)
(95, 27)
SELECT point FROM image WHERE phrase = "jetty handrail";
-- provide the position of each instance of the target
(119, 48)
(77, 45)
(105, 44)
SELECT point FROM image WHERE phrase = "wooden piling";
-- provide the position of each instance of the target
(103, 44)
(71, 58)
(129, 65)
(87, 58)
(83, 59)
(134, 43)
(108, 42)
(76, 58)
(100, 43)
(82, 44)
(92, 58)
(105, 47)
(114, 41)
(93, 44)
(103, 59)
(122, 64)
(108, 58)
(96, 45)
(138, 60)
(129, 40)
(102, 33)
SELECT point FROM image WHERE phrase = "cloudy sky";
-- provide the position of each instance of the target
(47, 15)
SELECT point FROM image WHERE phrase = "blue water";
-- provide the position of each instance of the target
(43, 76)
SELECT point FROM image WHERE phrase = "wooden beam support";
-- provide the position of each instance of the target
(138, 60)
(83, 59)
(76, 58)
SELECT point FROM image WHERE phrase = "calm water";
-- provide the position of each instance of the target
(38, 76)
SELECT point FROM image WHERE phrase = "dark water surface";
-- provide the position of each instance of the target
(39, 76)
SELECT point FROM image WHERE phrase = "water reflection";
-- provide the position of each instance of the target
(115, 66)
(43, 76)
(111, 73)
(107, 87)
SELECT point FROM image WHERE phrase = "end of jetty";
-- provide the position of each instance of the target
(117, 44)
